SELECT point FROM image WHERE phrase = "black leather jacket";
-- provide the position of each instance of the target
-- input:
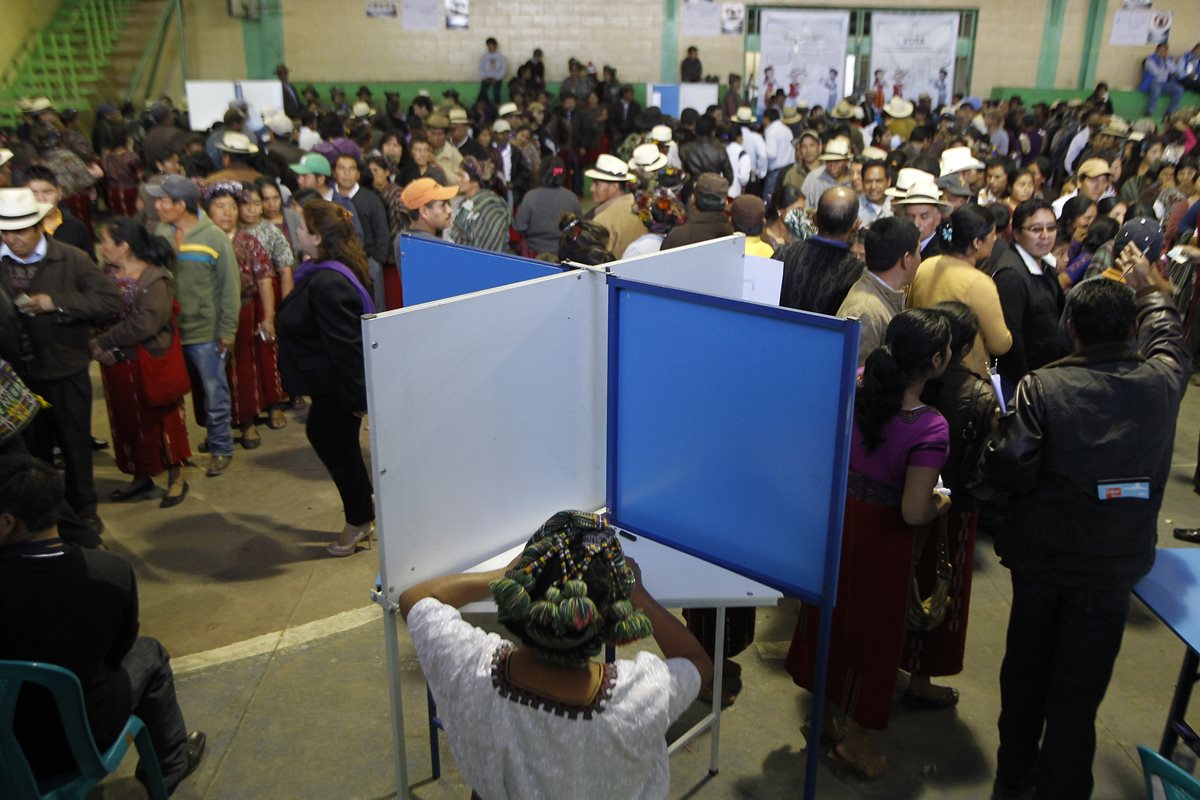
(705, 155)
(1105, 413)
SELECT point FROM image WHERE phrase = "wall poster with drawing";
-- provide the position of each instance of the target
(913, 53)
(804, 54)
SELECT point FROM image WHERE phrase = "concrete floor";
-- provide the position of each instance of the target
(279, 656)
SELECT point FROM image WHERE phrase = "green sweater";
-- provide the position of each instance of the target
(207, 283)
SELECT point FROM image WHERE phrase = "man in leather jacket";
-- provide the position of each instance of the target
(1085, 455)
(705, 153)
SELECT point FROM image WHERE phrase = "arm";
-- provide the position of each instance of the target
(92, 296)
(266, 292)
(453, 590)
(227, 291)
(524, 217)
(671, 635)
(1160, 331)
(150, 314)
(493, 229)
(1013, 458)
(381, 233)
(996, 336)
(336, 308)
(1011, 291)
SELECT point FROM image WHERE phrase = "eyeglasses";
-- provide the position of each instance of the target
(1041, 230)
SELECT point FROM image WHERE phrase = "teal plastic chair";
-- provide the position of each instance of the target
(16, 778)
(1164, 780)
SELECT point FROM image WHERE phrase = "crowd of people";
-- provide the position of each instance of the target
(997, 256)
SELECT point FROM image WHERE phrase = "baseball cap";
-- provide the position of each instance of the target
(712, 185)
(423, 191)
(175, 187)
(1145, 233)
(312, 164)
(1094, 167)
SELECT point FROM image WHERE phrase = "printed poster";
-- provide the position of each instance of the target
(733, 19)
(422, 15)
(701, 18)
(458, 14)
(382, 8)
(1138, 27)
(912, 54)
(802, 52)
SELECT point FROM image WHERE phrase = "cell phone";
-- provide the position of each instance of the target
(23, 302)
(262, 334)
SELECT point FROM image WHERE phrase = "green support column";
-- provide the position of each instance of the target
(1093, 35)
(669, 68)
(262, 40)
(1052, 33)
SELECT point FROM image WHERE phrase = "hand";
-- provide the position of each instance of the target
(224, 345)
(95, 350)
(360, 414)
(637, 569)
(268, 327)
(107, 357)
(41, 304)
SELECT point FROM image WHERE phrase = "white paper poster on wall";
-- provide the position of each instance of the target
(701, 18)
(458, 14)
(1138, 27)
(914, 53)
(422, 15)
(381, 9)
(803, 52)
(733, 18)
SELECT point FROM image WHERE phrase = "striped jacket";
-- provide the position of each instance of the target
(207, 283)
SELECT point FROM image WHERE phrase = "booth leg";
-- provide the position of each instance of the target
(1175, 719)
(813, 761)
(435, 757)
(718, 675)
(399, 753)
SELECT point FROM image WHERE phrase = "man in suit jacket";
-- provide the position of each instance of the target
(623, 117)
(291, 99)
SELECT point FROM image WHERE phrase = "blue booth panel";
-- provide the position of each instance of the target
(729, 431)
(431, 269)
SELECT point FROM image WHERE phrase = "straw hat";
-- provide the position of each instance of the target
(648, 158)
(506, 109)
(790, 116)
(874, 154)
(235, 142)
(923, 192)
(1116, 127)
(661, 134)
(501, 126)
(458, 116)
(843, 110)
(905, 179)
(362, 110)
(19, 210)
(956, 159)
(611, 169)
(836, 150)
(39, 104)
(5, 156)
(898, 107)
(744, 116)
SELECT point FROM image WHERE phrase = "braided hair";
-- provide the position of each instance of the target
(569, 593)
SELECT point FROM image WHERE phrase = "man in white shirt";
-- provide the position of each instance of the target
(780, 153)
(753, 143)
(1094, 180)
(492, 68)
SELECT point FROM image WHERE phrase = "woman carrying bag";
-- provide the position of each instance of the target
(142, 364)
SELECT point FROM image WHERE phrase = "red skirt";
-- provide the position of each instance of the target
(267, 355)
(245, 386)
(940, 651)
(869, 619)
(145, 440)
(122, 200)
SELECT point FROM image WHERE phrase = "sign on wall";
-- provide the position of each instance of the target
(914, 53)
(803, 53)
(701, 18)
(422, 15)
(1138, 27)
(458, 14)
(733, 18)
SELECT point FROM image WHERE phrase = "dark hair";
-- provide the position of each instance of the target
(836, 213)
(876, 163)
(339, 242)
(1105, 205)
(149, 248)
(705, 126)
(1074, 208)
(1103, 229)
(304, 196)
(1001, 215)
(1101, 311)
(771, 114)
(781, 198)
(569, 593)
(1025, 210)
(330, 126)
(32, 491)
(964, 327)
(912, 339)
(38, 172)
(888, 240)
(583, 241)
(966, 225)
(553, 172)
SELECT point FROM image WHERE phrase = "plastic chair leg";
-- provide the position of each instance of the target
(148, 761)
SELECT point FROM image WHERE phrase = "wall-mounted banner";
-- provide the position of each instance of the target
(382, 8)
(701, 18)
(1138, 27)
(422, 15)
(803, 53)
(913, 53)
(458, 14)
(733, 18)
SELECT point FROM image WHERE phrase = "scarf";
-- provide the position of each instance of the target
(307, 268)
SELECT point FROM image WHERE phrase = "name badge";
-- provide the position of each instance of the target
(1133, 489)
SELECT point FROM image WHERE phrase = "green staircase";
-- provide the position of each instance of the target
(69, 59)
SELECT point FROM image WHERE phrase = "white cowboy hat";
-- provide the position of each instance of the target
(458, 116)
(611, 169)
(234, 142)
(843, 110)
(5, 156)
(906, 178)
(38, 104)
(956, 159)
(501, 126)
(648, 158)
(898, 107)
(790, 116)
(506, 109)
(837, 150)
(661, 134)
(280, 125)
(924, 192)
(20, 210)
(744, 116)
(874, 154)
(362, 110)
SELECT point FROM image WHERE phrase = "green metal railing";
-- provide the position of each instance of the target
(65, 60)
(142, 84)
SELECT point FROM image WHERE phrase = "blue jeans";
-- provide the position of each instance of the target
(207, 368)
(1171, 89)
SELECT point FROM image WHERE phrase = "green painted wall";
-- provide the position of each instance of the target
(669, 67)
(1052, 33)
(263, 40)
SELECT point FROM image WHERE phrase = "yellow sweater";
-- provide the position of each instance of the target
(946, 277)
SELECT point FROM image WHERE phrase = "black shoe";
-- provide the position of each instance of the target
(170, 502)
(99, 444)
(121, 495)
(916, 702)
(1188, 535)
(203, 446)
(94, 522)
(251, 444)
(196, 741)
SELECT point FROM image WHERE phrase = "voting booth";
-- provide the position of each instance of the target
(209, 100)
(672, 98)
(714, 430)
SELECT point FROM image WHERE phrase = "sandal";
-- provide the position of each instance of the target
(946, 698)
(277, 420)
(867, 766)
(832, 733)
(128, 493)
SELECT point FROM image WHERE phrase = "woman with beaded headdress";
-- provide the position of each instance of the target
(540, 718)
